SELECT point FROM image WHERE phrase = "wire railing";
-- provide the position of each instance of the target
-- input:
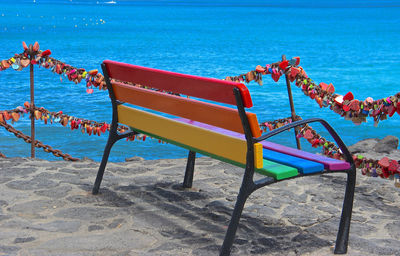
(323, 94)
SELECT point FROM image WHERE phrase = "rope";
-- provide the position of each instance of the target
(324, 95)
(384, 168)
(37, 143)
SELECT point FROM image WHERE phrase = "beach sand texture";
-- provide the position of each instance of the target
(46, 208)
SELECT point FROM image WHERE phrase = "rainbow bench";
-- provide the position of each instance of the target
(229, 134)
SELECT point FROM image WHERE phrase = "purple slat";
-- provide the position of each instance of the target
(329, 163)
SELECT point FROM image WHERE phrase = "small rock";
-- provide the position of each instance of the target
(116, 223)
(134, 159)
(3, 203)
(57, 192)
(4, 217)
(87, 159)
(86, 213)
(387, 144)
(35, 183)
(9, 250)
(59, 226)
(393, 229)
(363, 146)
(95, 227)
(24, 239)
(168, 246)
(299, 215)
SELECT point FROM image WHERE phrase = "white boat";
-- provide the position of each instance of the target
(111, 2)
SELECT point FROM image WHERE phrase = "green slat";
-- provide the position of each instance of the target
(277, 171)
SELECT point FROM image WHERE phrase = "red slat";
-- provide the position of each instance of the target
(195, 86)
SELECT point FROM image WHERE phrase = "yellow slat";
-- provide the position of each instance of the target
(231, 148)
(258, 155)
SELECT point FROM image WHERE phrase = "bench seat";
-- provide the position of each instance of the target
(304, 166)
(272, 168)
(329, 163)
(274, 148)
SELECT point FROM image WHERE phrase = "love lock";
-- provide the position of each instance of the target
(15, 66)
(25, 62)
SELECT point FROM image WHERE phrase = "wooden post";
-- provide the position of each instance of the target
(32, 104)
(289, 89)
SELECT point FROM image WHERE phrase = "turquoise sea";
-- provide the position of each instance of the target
(353, 44)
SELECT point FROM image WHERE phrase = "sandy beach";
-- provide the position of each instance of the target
(46, 208)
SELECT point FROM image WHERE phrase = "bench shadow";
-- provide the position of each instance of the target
(199, 221)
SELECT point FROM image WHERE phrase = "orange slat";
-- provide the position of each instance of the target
(208, 113)
(200, 87)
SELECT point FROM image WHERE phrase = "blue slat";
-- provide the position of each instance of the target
(303, 166)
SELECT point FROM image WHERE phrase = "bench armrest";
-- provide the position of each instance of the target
(329, 128)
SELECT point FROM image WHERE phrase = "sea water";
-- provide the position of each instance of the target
(353, 44)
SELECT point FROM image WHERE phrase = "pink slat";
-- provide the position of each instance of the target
(200, 87)
(329, 163)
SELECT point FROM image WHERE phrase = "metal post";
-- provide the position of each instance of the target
(32, 104)
(188, 180)
(289, 89)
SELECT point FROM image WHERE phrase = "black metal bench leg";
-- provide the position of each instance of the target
(188, 180)
(344, 227)
(111, 140)
(233, 224)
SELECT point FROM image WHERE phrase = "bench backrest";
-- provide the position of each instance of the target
(179, 133)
